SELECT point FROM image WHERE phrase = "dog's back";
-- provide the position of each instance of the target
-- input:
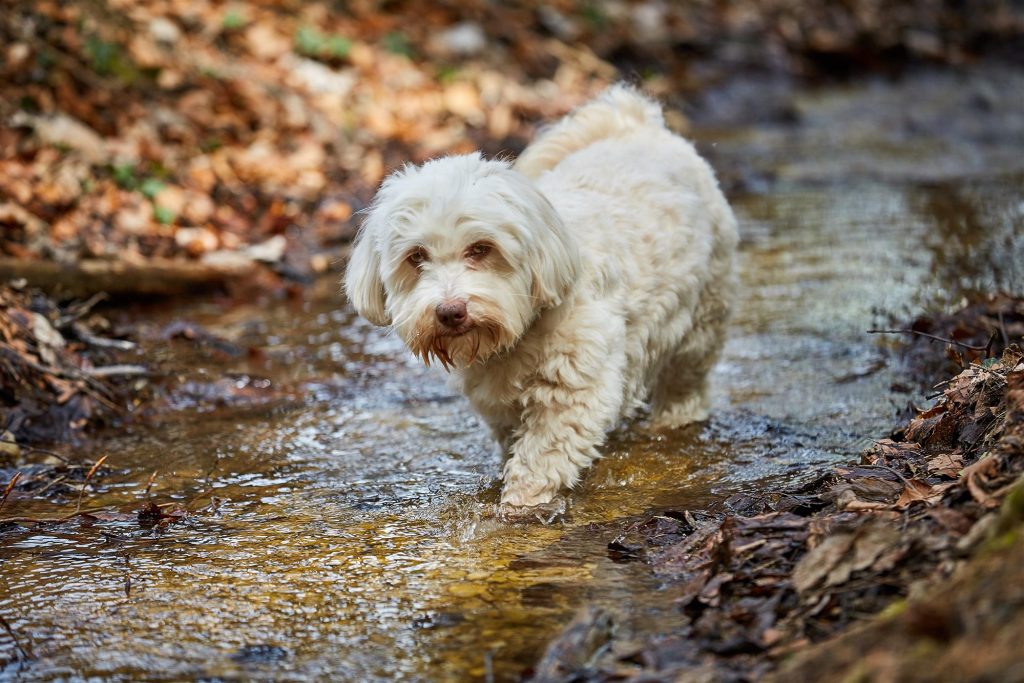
(618, 111)
(657, 238)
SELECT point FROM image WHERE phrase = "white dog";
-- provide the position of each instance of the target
(562, 292)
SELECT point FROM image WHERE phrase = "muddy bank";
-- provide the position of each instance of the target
(761, 578)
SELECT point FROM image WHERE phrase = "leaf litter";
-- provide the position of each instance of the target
(783, 570)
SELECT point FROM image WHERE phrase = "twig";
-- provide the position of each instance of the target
(109, 370)
(102, 342)
(76, 311)
(1002, 328)
(10, 487)
(92, 471)
(149, 484)
(51, 520)
(972, 347)
(888, 469)
(51, 483)
(17, 643)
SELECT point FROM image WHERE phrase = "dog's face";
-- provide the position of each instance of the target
(460, 255)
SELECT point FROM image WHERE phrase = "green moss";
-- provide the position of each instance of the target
(893, 611)
(859, 673)
(1012, 511)
(109, 59)
(925, 649)
(1001, 542)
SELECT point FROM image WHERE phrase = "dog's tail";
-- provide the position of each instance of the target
(617, 111)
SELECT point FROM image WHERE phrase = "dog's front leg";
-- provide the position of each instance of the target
(568, 407)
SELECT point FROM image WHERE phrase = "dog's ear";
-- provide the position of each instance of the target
(363, 283)
(555, 258)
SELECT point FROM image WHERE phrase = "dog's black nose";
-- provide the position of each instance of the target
(451, 313)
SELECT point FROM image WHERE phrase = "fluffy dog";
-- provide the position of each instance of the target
(561, 292)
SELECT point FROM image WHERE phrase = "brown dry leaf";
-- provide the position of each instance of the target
(818, 563)
(919, 490)
(977, 474)
(946, 465)
(837, 557)
(871, 542)
(848, 500)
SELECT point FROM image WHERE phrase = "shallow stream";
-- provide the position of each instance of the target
(355, 537)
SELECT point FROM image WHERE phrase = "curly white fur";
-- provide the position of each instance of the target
(596, 274)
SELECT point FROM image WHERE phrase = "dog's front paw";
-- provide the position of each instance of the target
(528, 497)
(546, 513)
(524, 488)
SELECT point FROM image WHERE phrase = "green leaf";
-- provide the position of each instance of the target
(397, 43)
(151, 187)
(163, 215)
(233, 20)
(124, 176)
(309, 41)
(338, 47)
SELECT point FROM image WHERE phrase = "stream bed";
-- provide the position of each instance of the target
(355, 536)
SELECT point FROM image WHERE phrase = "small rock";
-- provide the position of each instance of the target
(649, 22)
(270, 251)
(556, 22)
(164, 30)
(466, 39)
(16, 54)
(9, 448)
(196, 241)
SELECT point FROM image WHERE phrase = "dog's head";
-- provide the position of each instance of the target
(460, 255)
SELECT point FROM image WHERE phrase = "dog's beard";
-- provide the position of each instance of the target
(485, 336)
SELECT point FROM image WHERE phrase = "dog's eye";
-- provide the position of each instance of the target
(478, 251)
(417, 256)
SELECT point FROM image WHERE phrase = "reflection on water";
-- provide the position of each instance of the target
(355, 538)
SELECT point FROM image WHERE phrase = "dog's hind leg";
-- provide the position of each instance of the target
(681, 395)
(680, 392)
